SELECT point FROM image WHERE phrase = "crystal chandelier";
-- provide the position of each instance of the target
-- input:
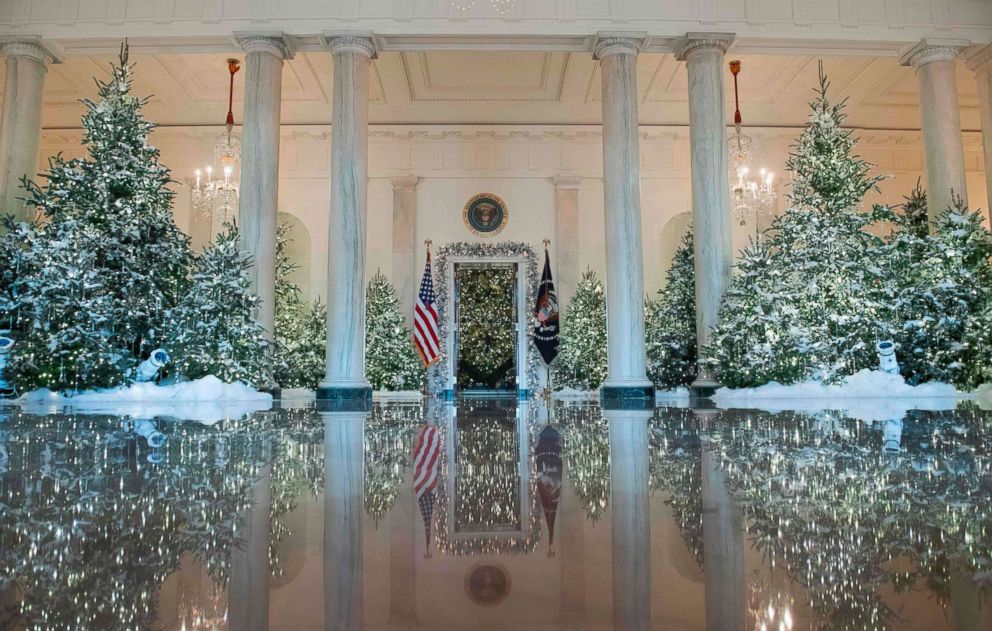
(218, 196)
(749, 196)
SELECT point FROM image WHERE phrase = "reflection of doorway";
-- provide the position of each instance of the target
(485, 300)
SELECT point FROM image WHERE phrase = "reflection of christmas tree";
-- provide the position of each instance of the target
(676, 470)
(388, 449)
(107, 261)
(581, 361)
(487, 491)
(486, 328)
(586, 456)
(670, 323)
(391, 360)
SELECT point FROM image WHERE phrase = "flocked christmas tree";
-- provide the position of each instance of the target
(670, 323)
(581, 361)
(214, 329)
(809, 297)
(391, 360)
(107, 261)
(944, 281)
(300, 326)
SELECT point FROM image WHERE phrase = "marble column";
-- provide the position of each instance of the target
(626, 381)
(344, 382)
(630, 532)
(344, 487)
(259, 184)
(566, 238)
(981, 64)
(703, 54)
(943, 147)
(723, 546)
(249, 584)
(20, 121)
(405, 274)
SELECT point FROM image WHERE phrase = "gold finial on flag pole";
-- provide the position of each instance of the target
(428, 243)
(546, 242)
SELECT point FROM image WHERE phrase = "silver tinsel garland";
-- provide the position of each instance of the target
(437, 378)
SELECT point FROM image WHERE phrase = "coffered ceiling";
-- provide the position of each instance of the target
(513, 87)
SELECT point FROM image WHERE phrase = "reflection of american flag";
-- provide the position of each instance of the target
(426, 334)
(426, 460)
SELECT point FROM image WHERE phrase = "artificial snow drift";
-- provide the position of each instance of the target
(206, 400)
(867, 394)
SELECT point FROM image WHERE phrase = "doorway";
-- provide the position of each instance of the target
(486, 327)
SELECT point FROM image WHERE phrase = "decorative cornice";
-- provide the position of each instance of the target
(623, 43)
(932, 49)
(273, 42)
(981, 60)
(361, 43)
(32, 48)
(404, 182)
(703, 41)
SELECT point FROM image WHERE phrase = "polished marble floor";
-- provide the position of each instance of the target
(491, 514)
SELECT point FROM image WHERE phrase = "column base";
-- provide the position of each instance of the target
(344, 399)
(626, 397)
(705, 385)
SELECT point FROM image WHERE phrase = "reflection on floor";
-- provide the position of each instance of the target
(492, 514)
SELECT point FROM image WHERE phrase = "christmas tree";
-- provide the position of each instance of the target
(107, 261)
(809, 298)
(391, 360)
(670, 323)
(944, 283)
(214, 329)
(581, 361)
(300, 326)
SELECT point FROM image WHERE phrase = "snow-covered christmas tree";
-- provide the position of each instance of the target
(670, 323)
(944, 281)
(809, 298)
(214, 329)
(300, 326)
(581, 361)
(106, 261)
(391, 360)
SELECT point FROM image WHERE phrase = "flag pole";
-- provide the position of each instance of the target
(547, 367)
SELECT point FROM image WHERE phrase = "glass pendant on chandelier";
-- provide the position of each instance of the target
(218, 196)
(748, 197)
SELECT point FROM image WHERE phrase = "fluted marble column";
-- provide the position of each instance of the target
(259, 189)
(404, 274)
(566, 239)
(981, 63)
(344, 382)
(20, 122)
(344, 485)
(626, 381)
(723, 546)
(249, 585)
(631, 523)
(943, 147)
(703, 54)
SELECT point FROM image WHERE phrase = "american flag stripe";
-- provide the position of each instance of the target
(427, 334)
(426, 339)
(425, 460)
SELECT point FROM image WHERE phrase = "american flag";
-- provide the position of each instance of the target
(426, 460)
(426, 334)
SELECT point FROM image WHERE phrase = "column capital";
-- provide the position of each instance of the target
(614, 43)
(981, 60)
(567, 181)
(404, 182)
(932, 49)
(348, 41)
(703, 41)
(273, 42)
(35, 48)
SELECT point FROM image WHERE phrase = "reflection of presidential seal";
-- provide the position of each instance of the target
(487, 585)
(485, 214)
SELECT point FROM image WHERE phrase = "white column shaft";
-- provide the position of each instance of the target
(984, 78)
(713, 254)
(20, 126)
(249, 585)
(347, 225)
(943, 146)
(344, 484)
(621, 185)
(566, 244)
(259, 194)
(404, 274)
(723, 544)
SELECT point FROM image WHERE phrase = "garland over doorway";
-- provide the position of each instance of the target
(440, 377)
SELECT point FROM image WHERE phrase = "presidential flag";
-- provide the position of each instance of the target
(546, 315)
(426, 333)
(426, 461)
